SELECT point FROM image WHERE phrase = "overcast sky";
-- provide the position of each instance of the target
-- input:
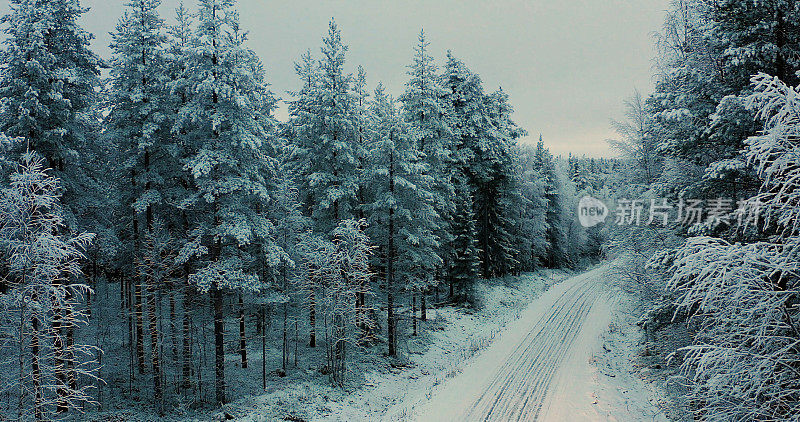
(566, 64)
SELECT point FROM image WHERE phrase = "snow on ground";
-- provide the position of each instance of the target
(541, 346)
(451, 336)
(600, 380)
(545, 366)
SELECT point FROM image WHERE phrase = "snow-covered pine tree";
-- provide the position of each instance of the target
(139, 124)
(49, 92)
(178, 53)
(484, 137)
(325, 148)
(709, 51)
(362, 119)
(329, 139)
(426, 115)
(495, 187)
(556, 254)
(363, 141)
(402, 214)
(228, 134)
(42, 287)
(462, 98)
(303, 132)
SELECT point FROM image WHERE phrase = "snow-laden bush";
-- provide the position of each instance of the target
(745, 361)
(337, 273)
(40, 297)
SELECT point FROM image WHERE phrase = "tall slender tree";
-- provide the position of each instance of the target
(402, 211)
(331, 175)
(140, 125)
(426, 114)
(229, 130)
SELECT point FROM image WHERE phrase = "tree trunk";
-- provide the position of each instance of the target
(390, 318)
(414, 313)
(450, 279)
(36, 375)
(186, 337)
(312, 321)
(285, 348)
(155, 357)
(72, 379)
(219, 345)
(139, 324)
(62, 406)
(262, 317)
(242, 339)
(423, 310)
(173, 325)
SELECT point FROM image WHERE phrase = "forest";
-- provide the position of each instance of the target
(170, 249)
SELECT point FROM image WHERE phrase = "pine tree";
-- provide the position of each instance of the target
(179, 55)
(303, 133)
(229, 131)
(427, 117)
(140, 125)
(325, 115)
(709, 51)
(363, 140)
(49, 95)
(403, 210)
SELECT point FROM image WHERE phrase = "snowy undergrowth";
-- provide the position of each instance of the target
(390, 388)
(635, 371)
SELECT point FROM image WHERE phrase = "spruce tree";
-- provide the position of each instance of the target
(466, 256)
(556, 254)
(496, 188)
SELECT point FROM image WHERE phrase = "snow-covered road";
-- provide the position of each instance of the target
(540, 367)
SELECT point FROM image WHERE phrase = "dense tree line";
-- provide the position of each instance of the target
(205, 208)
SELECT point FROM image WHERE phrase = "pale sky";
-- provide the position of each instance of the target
(567, 65)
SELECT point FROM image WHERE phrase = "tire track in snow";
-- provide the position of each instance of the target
(515, 390)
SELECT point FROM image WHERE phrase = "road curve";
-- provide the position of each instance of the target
(511, 380)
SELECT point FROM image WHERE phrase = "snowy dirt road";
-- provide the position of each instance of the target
(541, 367)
